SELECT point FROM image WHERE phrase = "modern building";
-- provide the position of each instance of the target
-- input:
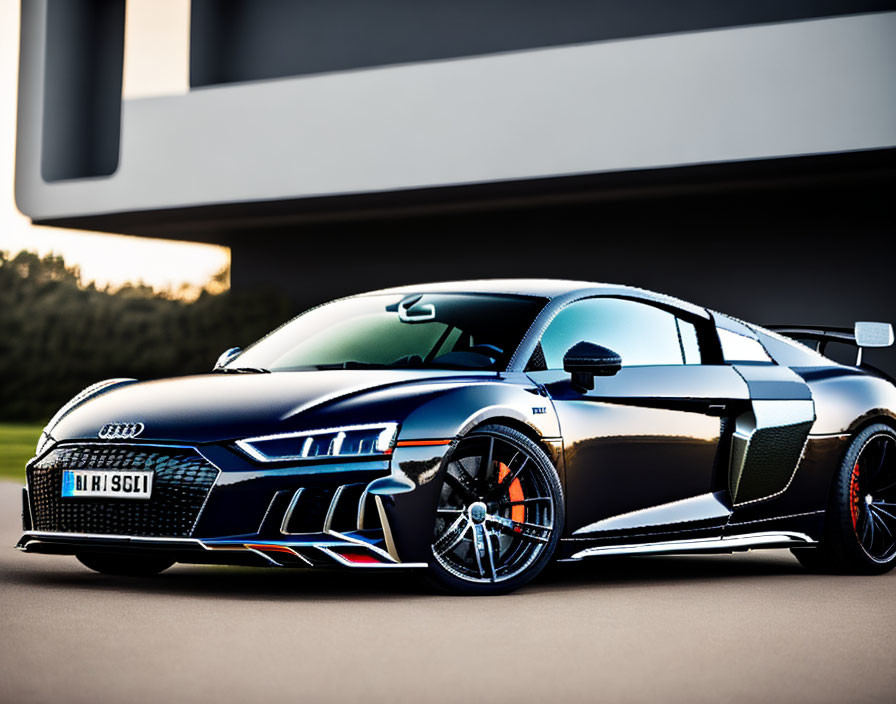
(740, 155)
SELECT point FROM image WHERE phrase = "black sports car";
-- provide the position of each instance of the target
(476, 430)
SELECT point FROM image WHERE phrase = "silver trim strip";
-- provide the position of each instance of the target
(268, 510)
(695, 508)
(266, 557)
(291, 550)
(207, 494)
(387, 529)
(361, 504)
(331, 509)
(288, 514)
(113, 536)
(775, 518)
(364, 544)
(748, 540)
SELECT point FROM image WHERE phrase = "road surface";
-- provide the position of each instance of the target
(748, 628)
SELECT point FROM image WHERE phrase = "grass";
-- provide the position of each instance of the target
(17, 442)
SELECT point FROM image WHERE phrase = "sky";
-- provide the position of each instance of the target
(155, 64)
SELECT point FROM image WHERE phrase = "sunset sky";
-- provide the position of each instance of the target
(155, 63)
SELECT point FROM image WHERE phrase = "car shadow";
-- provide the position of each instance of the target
(321, 585)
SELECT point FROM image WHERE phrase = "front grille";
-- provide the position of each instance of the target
(181, 484)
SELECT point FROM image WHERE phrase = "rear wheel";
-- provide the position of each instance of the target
(860, 524)
(125, 565)
(499, 516)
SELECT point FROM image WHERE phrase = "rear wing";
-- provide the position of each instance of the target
(862, 334)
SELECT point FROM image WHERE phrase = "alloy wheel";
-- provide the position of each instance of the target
(496, 511)
(872, 497)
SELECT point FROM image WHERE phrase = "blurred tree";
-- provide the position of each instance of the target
(57, 336)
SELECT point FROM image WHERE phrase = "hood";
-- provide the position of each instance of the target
(217, 407)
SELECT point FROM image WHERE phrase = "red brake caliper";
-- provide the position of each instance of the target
(854, 495)
(515, 491)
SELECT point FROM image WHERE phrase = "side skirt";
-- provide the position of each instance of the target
(748, 541)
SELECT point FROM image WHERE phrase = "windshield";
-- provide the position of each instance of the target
(393, 331)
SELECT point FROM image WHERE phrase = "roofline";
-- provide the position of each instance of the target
(552, 289)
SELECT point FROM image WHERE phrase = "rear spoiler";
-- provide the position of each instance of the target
(862, 334)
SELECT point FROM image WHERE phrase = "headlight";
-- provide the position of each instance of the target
(348, 441)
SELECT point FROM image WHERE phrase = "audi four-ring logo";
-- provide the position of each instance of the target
(120, 431)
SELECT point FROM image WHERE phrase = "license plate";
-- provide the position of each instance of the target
(89, 483)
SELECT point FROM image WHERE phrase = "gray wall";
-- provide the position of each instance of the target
(251, 40)
(756, 92)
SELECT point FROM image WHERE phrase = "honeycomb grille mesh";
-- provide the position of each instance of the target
(182, 480)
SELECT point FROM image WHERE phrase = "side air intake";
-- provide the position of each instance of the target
(343, 508)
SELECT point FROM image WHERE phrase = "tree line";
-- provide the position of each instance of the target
(58, 336)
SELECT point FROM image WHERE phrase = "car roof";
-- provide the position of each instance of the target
(546, 288)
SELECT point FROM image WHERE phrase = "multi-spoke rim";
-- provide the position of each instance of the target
(872, 497)
(496, 510)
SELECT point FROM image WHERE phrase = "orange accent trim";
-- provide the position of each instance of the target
(422, 443)
(270, 548)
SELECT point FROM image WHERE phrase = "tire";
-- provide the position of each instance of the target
(860, 521)
(496, 528)
(124, 565)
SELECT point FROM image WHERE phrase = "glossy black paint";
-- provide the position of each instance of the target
(640, 439)
(649, 451)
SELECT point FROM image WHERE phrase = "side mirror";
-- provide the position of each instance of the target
(227, 356)
(585, 360)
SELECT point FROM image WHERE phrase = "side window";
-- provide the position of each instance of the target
(739, 348)
(690, 346)
(639, 333)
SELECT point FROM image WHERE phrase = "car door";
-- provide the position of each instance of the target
(642, 448)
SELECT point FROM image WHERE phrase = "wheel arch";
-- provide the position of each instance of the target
(554, 452)
(857, 429)
(510, 422)
(870, 420)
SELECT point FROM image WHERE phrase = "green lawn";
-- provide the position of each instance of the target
(17, 442)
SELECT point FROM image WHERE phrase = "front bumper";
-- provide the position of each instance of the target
(322, 550)
(328, 515)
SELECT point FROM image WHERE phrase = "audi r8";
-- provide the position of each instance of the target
(475, 431)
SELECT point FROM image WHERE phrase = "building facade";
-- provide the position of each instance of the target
(740, 155)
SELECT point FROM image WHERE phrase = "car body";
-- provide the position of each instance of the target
(701, 434)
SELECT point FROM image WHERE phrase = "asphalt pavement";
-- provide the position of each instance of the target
(746, 628)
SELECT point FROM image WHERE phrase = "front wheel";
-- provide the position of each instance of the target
(499, 516)
(860, 523)
(124, 565)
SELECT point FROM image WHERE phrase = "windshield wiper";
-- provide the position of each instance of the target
(350, 364)
(242, 370)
